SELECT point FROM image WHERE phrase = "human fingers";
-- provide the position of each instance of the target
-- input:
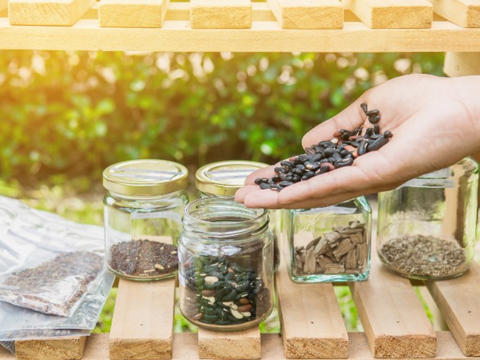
(242, 192)
(258, 198)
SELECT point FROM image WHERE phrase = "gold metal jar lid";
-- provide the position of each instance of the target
(145, 177)
(225, 177)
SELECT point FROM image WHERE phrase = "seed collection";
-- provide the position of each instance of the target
(341, 251)
(55, 286)
(329, 155)
(219, 291)
(143, 258)
(418, 255)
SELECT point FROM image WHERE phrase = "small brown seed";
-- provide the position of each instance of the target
(244, 301)
(198, 316)
(209, 293)
(245, 308)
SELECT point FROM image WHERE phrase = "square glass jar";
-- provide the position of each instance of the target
(427, 227)
(330, 244)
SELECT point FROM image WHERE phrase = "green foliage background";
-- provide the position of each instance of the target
(65, 116)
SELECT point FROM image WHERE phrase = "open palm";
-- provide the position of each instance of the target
(435, 122)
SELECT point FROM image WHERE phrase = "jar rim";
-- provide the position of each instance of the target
(225, 177)
(221, 224)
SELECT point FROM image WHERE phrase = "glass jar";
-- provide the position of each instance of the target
(331, 244)
(143, 217)
(226, 265)
(427, 227)
(224, 178)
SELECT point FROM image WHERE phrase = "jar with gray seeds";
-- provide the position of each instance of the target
(427, 226)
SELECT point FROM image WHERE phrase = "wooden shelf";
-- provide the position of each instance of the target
(396, 326)
(265, 35)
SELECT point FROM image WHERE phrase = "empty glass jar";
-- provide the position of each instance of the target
(226, 265)
(427, 227)
(224, 178)
(330, 244)
(143, 217)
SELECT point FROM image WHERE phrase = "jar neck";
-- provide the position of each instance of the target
(224, 219)
(144, 197)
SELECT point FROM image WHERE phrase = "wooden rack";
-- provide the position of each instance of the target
(396, 325)
(242, 25)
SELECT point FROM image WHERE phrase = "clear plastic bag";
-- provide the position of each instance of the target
(20, 323)
(51, 265)
(47, 263)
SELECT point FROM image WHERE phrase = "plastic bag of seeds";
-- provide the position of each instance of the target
(20, 323)
(47, 264)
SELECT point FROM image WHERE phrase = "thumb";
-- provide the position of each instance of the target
(350, 118)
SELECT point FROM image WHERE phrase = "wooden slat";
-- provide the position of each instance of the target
(264, 36)
(465, 13)
(142, 325)
(185, 346)
(51, 349)
(462, 64)
(312, 324)
(47, 12)
(458, 300)
(392, 14)
(220, 14)
(234, 345)
(181, 11)
(308, 14)
(395, 323)
(132, 13)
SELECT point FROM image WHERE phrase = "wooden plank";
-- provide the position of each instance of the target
(220, 14)
(132, 13)
(51, 349)
(308, 14)
(465, 13)
(392, 14)
(263, 37)
(185, 346)
(457, 299)
(47, 12)
(234, 345)
(395, 323)
(312, 324)
(142, 325)
(462, 64)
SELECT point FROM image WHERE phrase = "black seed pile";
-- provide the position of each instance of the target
(329, 155)
(143, 258)
(219, 291)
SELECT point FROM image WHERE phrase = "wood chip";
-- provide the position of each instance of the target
(322, 247)
(351, 260)
(343, 248)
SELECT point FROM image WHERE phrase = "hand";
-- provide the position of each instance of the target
(435, 123)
